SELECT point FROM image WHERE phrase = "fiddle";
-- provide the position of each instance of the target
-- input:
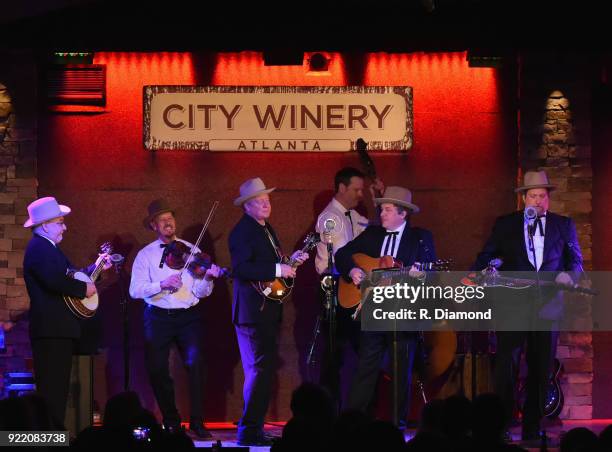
(180, 256)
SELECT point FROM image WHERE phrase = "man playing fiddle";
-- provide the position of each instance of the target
(171, 316)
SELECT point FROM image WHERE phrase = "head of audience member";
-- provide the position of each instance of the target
(579, 439)
(312, 401)
(27, 412)
(605, 438)
(348, 185)
(457, 417)
(347, 430)
(383, 435)
(431, 416)
(488, 419)
(123, 410)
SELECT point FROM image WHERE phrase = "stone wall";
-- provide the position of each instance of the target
(555, 136)
(18, 187)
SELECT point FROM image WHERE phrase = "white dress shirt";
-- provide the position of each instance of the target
(398, 238)
(338, 239)
(147, 276)
(538, 243)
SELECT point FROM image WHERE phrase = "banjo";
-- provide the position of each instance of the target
(85, 308)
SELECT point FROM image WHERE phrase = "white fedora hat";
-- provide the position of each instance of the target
(44, 209)
(535, 179)
(250, 189)
(398, 195)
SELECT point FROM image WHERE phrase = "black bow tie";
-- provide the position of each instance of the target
(392, 233)
(163, 245)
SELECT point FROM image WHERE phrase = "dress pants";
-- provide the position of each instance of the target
(258, 351)
(538, 357)
(371, 353)
(348, 332)
(52, 367)
(162, 329)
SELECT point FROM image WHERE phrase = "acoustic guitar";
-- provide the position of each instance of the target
(280, 288)
(349, 295)
(85, 308)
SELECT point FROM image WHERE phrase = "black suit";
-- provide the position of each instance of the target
(561, 253)
(53, 328)
(416, 245)
(256, 319)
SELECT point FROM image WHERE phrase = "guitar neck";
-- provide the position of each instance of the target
(293, 262)
(96, 273)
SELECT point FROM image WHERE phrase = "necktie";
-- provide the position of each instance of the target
(390, 246)
(348, 215)
(538, 225)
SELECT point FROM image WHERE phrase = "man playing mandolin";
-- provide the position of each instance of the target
(256, 257)
(54, 329)
(171, 316)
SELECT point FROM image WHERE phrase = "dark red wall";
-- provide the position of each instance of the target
(461, 169)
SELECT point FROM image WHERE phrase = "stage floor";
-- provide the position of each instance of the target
(226, 432)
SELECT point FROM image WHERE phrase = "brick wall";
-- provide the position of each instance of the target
(555, 136)
(18, 187)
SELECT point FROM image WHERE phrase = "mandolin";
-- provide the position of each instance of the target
(280, 288)
(85, 308)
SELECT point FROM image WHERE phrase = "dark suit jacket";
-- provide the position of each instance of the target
(44, 271)
(416, 246)
(253, 259)
(507, 241)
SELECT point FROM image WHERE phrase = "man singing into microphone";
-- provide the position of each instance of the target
(516, 239)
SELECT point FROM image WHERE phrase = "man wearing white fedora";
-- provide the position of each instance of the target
(255, 253)
(394, 237)
(556, 249)
(54, 329)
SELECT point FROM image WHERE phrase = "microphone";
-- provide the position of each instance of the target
(116, 258)
(531, 213)
(330, 225)
(496, 263)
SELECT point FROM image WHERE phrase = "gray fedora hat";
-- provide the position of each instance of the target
(535, 179)
(250, 189)
(400, 196)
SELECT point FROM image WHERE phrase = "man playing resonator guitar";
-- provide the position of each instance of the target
(54, 329)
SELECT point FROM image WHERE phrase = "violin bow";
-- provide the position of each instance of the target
(200, 237)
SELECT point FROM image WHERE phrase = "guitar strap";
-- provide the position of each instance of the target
(273, 243)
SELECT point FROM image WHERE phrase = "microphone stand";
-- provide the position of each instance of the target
(531, 232)
(126, 329)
